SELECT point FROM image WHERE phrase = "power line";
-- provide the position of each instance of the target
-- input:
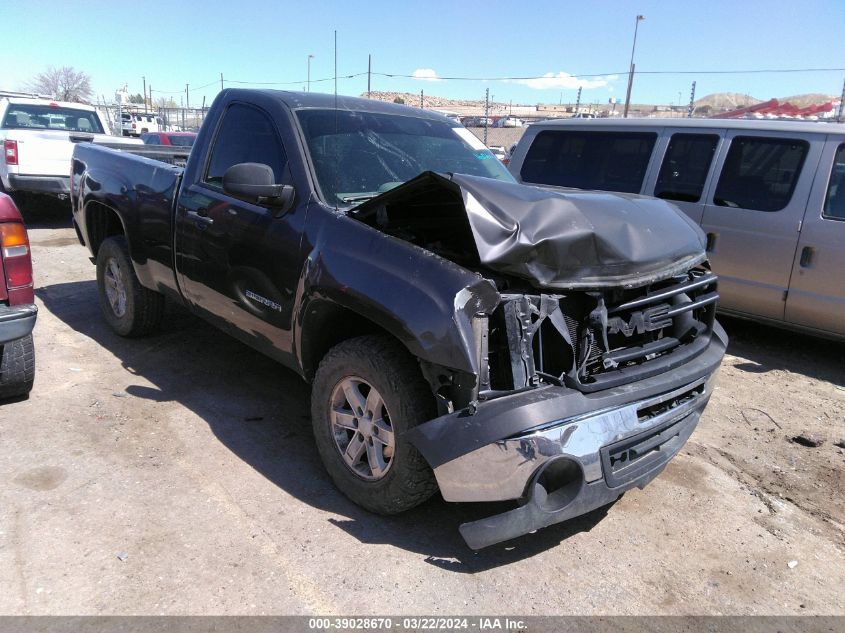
(753, 71)
(607, 74)
(292, 83)
(210, 83)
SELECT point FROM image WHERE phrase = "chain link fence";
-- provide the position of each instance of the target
(134, 120)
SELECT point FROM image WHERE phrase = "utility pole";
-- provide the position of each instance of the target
(335, 69)
(369, 73)
(631, 73)
(421, 100)
(310, 57)
(691, 101)
(221, 81)
(187, 97)
(578, 101)
(841, 104)
(486, 112)
(144, 79)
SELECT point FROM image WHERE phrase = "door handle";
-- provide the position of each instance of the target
(807, 253)
(200, 216)
(711, 242)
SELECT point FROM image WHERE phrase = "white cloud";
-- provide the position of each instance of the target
(564, 81)
(425, 74)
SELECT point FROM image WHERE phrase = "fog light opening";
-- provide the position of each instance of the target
(558, 484)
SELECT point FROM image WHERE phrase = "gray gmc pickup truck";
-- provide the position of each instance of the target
(461, 332)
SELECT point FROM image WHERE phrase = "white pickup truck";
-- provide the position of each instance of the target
(135, 123)
(38, 136)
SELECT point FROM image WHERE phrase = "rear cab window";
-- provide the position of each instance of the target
(605, 161)
(834, 201)
(685, 167)
(760, 173)
(30, 116)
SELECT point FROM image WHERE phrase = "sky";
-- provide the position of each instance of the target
(535, 52)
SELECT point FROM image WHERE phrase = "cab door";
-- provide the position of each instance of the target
(753, 214)
(238, 262)
(816, 296)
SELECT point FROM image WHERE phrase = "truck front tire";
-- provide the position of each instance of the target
(129, 308)
(368, 391)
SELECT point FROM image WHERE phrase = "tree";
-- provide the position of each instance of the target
(136, 98)
(399, 100)
(63, 84)
(165, 102)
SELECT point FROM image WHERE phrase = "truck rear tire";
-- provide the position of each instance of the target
(17, 367)
(130, 309)
(367, 392)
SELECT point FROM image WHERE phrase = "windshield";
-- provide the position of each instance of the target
(25, 116)
(357, 155)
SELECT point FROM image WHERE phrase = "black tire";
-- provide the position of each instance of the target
(17, 367)
(394, 373)
(141, 310)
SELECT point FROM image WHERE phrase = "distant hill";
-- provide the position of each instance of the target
(712, 103)
(803, 101)
(733, 100)
(727, 101)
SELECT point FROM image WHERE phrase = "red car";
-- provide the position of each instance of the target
(17, 304)
(179, 139)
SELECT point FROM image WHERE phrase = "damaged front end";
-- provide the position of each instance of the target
(596, 363)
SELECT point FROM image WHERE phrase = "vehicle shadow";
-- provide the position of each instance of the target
(261, 412)
(43, 212)
(767, 348)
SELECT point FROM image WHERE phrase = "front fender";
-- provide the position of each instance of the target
(423, 300)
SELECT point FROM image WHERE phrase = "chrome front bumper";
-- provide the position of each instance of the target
(573, 466)
(560, 453)
(503, 469)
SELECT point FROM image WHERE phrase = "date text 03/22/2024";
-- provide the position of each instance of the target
(417, 624)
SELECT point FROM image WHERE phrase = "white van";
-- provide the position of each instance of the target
(770, 196)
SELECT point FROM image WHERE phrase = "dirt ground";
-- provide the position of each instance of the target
(177, 475)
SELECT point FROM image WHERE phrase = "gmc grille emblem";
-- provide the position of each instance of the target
(640, 322)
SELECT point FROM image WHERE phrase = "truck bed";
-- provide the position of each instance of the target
(170, 154)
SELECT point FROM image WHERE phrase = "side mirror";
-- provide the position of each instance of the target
(255, 183)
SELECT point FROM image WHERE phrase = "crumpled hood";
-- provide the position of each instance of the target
(565, 238)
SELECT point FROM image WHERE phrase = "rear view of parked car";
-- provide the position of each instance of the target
(38, 137)
(135, 124)
(17, 304)
(770, 196)
(176, 139)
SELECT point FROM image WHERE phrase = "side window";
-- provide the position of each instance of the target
(607, 161)
(246, 135)
(834, 201)
(685, 167)
(760, 173)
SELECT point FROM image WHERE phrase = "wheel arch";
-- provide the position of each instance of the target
(324, 324)
(101, 222)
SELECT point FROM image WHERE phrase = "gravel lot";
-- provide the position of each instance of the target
(177, 475)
